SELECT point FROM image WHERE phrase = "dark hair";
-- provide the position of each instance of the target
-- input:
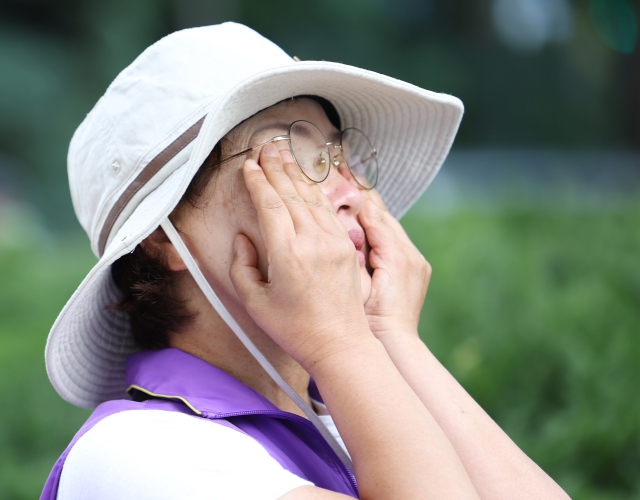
(149, 288)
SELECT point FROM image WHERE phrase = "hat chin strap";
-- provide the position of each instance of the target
(193, 268)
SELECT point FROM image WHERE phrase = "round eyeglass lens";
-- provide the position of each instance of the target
(310, 150)
(360, 156)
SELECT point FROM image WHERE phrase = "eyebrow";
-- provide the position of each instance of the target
(269, 126)
(334, 137)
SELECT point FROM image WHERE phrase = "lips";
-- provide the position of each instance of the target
(356, 235)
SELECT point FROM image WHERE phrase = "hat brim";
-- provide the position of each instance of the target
(412, 128)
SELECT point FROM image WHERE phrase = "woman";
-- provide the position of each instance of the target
(228, 191)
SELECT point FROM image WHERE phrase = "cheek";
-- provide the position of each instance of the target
(227, 213)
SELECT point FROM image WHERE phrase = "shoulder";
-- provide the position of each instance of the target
(160, 454)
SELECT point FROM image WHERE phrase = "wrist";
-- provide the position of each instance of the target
(339, 359)
(400, 337)
(390, 329)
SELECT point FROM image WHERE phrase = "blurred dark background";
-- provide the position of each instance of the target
(532, 73)
(532, 227)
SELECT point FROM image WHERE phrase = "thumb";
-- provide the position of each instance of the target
(383, 229)
(245, 276)
(375, 222)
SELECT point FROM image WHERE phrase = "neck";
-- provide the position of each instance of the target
(209, 338)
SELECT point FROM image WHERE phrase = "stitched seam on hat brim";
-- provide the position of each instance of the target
(152, 168)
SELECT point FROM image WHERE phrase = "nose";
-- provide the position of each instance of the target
(342, 190)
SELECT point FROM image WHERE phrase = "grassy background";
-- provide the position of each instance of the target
(536, 313)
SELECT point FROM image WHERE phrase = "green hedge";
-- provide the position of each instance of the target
(538, 316)
(536, 313)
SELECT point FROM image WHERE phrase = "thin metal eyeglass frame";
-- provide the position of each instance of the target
(337, 162)
(333, 160)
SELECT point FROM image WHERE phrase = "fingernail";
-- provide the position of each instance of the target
(285, 154)
(271, 150)
(252, 165)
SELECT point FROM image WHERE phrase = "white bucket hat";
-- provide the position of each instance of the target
(134, 155)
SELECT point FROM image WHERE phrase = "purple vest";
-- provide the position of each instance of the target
(183, 383)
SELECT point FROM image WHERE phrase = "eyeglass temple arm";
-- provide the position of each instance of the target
(277, 138)
(339, 146)
(375, 153)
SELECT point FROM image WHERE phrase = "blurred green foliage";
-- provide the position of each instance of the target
(537, 314)
(38, 275)
(57, 57)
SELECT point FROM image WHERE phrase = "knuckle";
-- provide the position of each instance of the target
(427, 269)
(292, 171)
(275, 166)
(256, 176)
(273, 205)
(345, 249)
(419, 260)
(290, 198)
(333, 252)
(313, 202)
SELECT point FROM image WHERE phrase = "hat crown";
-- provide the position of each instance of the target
(162, 93)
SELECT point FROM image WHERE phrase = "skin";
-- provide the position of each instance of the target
(276, 249)
(209, 232)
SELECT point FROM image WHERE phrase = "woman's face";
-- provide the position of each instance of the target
(226, 209)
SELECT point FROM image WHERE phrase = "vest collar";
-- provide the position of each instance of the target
(204, 388)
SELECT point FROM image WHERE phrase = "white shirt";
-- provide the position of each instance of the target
(156, 454)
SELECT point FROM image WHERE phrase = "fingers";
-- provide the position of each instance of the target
(244, 274)
(304, 201)
(274, 220)
(375, 197)
(381, 227)
(272, 167)
(317, 203)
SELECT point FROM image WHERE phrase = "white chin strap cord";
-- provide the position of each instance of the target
(189, 261)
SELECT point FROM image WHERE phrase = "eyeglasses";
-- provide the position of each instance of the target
(312, 153)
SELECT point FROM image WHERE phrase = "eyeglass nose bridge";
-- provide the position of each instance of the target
(335, 160)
